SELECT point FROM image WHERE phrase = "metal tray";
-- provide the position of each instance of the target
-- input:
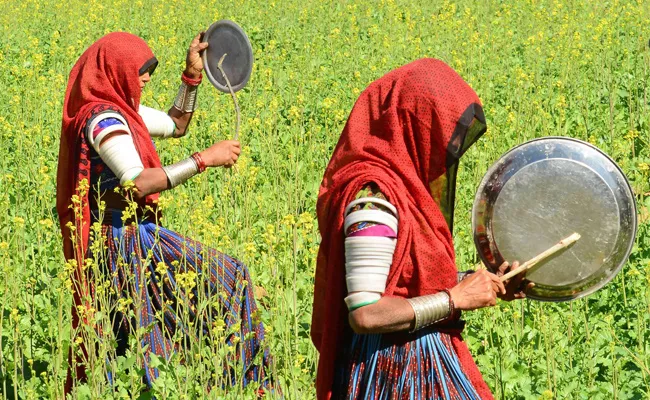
(226, 37)
(541, 192)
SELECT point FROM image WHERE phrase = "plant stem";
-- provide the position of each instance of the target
(232, 94)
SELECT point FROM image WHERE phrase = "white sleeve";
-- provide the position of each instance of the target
(119, 153)
(368, 258)
(158, 123)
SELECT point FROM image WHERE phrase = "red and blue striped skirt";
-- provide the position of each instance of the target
(179, 292)
(422, 365)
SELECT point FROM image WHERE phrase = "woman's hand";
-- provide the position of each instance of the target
(223, 153)
(193, 61)
(516, 286)
(478, 290)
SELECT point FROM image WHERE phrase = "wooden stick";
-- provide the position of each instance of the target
(542, 256)
(232, 94)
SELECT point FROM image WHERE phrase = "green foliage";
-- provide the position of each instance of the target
(541, 68)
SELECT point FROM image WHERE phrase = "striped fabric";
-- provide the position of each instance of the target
(106, 123)
(158, 284)
(421, 366)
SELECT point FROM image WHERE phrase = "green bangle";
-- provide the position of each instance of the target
(367, 303)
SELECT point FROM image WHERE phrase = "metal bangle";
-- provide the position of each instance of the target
(185, 100)
(181, 171)
(464, 274)
(430, 309)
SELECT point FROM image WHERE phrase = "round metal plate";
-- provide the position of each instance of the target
(226, 37)
(543, 191)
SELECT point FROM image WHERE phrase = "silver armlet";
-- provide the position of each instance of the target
(185, 100)
(430, 309)
(181, 171)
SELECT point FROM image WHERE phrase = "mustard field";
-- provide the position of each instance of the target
(569, 68)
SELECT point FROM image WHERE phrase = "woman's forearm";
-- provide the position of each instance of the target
(150, 180)
(389, 314)
(181, 119)
(155, 180)
(392, 314)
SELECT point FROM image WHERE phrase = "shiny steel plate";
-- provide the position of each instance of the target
(226, 37)
(541, 192)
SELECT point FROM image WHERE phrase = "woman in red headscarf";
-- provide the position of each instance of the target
(388, 295)
(106, 144)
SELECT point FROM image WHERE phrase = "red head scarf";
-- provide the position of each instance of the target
(405, 131)
(106, 77)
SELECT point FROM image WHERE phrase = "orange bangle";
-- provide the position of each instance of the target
(190, 81)
(199, 161)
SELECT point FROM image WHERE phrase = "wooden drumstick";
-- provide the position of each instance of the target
(542, 256)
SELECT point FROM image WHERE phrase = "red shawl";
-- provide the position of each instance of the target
(106, 77)
(397, 136)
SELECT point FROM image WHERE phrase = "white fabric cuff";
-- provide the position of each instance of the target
(158, 123)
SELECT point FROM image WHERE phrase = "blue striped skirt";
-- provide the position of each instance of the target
(422, 366)
(156, 273)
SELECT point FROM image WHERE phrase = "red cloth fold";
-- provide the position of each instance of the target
(106, 77)
(396, 136)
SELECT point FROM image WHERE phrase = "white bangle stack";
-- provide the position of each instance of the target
(368, 258)
(367, 263)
